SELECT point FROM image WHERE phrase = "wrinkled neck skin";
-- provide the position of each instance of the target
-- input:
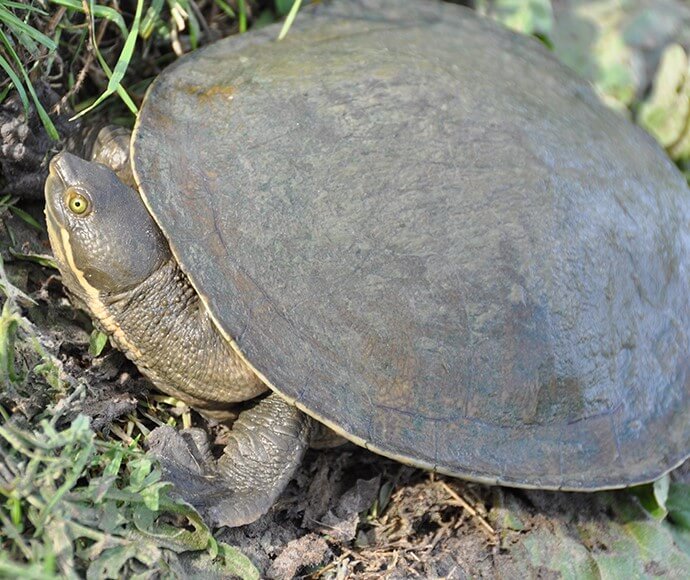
(117, 264)
(163, 327)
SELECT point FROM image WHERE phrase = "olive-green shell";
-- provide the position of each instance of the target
(429, 235)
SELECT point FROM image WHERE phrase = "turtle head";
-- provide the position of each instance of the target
(103, 237)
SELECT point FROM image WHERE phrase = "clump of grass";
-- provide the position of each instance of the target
(22, 46)
(90, 51)
(526, 16)
(75, 506)
(72, 505)
(664, 113)
(14, 328)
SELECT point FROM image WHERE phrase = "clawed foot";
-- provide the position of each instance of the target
(186, 463)
(266, 446)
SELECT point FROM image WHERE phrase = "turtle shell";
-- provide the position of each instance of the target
(426, 233)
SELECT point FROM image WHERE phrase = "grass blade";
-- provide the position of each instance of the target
(26, 217)
(242, 8)
(225, 7)
(43, 115)
(15, 81)
(20, 6)
(115, 76)
(99, 11)
(290, 19)
(150, 19)
(18, 26)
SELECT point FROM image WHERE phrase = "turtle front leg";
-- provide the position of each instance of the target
(267, 443)
(110, 146)
(105, 144)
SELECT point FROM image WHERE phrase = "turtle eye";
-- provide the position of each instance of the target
(77, 202)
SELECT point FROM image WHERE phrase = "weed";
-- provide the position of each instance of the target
(72, 505)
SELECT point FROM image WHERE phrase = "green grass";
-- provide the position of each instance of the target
(76, 506)
(73, 505)
(15, 34)
(32, 34)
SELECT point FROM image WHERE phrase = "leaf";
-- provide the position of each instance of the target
(661, 488)
(384, 496)
(61, 541)
(151, 494)
(26, 217)
(236, 563)
(42, 259)
(8, 332)
(653, 496)
(151, 17)
(15, 81)
(140, 468)
(525, 16)
(173, 537)
(664, 113)
(678, 504)
(225, 7)
(614, 76)
(27, 7)
(97, 342)
(111, 562)
(560, 554)
(242, 21)
(290, 19)
(99, 11)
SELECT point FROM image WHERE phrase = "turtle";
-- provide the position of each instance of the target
(404, 223)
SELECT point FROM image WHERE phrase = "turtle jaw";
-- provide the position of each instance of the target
(58, 233)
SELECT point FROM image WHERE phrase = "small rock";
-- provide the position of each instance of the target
(309, 550)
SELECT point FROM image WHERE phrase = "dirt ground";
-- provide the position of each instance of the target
(350, 513)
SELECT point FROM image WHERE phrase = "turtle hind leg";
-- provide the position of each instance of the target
(266, 445)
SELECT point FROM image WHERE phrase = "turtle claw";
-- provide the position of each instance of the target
(185, 464)
(177, 450)
(266, 446)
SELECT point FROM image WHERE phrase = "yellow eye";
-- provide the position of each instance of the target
(77, 203)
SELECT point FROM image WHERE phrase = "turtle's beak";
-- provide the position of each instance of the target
(54, 211)
(66, 167)
(54, 165)
(54, 191)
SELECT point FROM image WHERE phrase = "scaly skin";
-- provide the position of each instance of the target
(163, 327)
